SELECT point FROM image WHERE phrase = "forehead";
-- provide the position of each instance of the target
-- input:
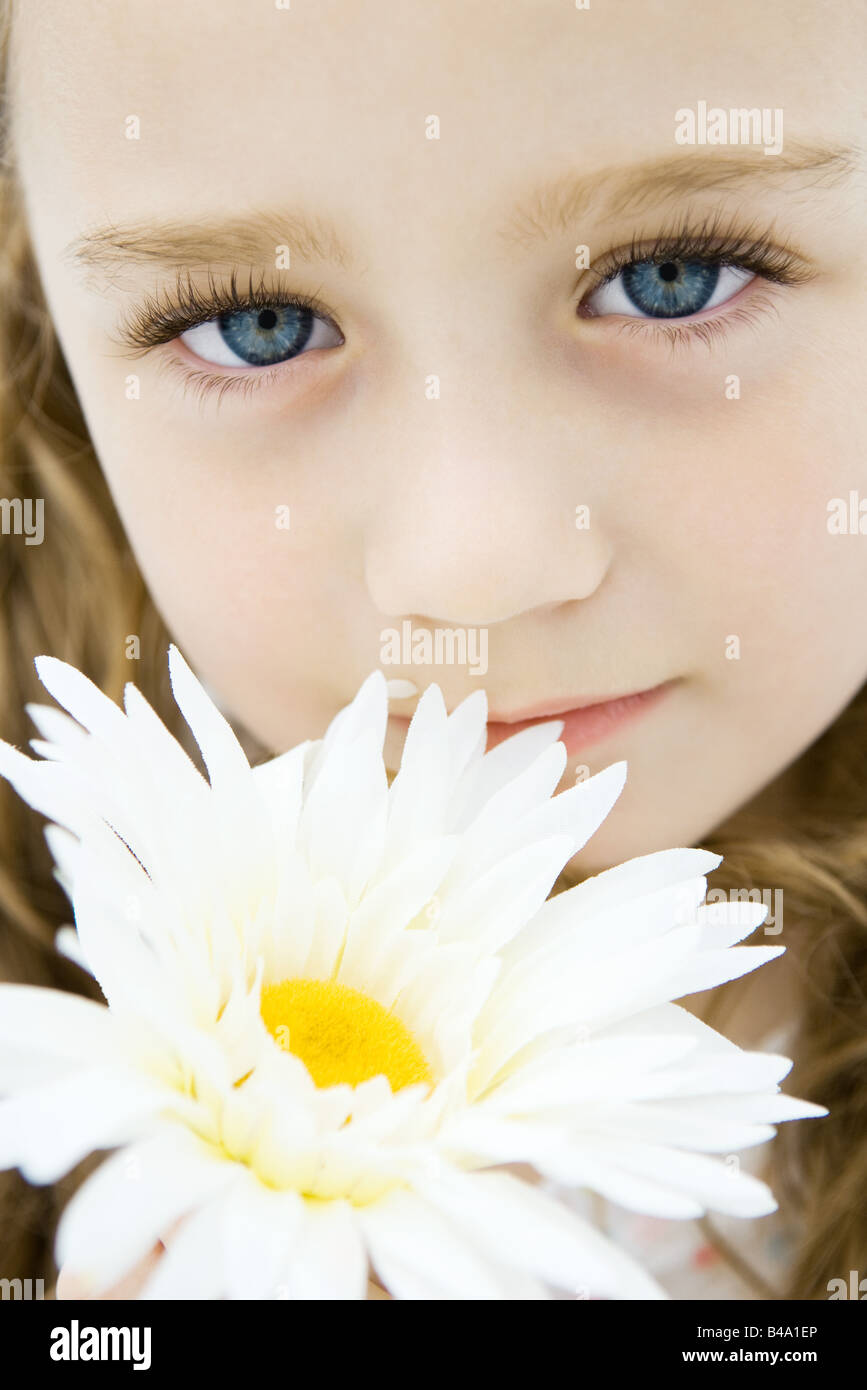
(243, 104)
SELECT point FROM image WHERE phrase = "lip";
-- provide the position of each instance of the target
(583, 724)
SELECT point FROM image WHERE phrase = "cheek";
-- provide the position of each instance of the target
(799, 585)
(739, 494)
(734, 566)
(246, 590)
(247, 544)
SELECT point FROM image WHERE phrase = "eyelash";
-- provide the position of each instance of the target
(710, 243)
(162, 317)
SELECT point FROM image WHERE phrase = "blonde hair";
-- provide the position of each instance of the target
(79, 595)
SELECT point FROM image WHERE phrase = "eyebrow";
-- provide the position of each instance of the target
(551, 208)
(557, 206)
(254, 238)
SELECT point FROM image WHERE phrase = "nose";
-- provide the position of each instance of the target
(477, 535)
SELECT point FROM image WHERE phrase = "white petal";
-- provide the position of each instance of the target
(729, 922)
(116, 1217)
(115, 947)
(47, 787)
(595, 994)
(328, 1259)
(418, 794)
(222, 753)
(419, 1254)
(520, 1224)
(154, 741)
(577, 812)
(84, 700)
(45, 1132)
(716, 967)
(260, 1228)
(67, 943)
(537, 783)
(280, 783)
(567, 934)
(387, 909)
(192, 1266)
(639, 878)
(506, 761)
(50, 1031)
(467, 734)
(597, 1069)
(342, 824)
(57, 728)
(490, 910)
(713, 1185)
(331, 913)
(580, 810)
(368, 712)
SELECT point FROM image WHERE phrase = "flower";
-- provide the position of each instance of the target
(339, 1011)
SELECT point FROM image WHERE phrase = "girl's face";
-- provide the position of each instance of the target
(318, 276)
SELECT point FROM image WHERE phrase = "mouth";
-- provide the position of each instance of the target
(583, 723)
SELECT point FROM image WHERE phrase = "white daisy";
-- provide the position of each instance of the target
(337, 1011)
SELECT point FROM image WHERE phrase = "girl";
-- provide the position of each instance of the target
(325, 327)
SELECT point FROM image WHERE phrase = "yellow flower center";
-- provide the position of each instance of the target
(341, 1035)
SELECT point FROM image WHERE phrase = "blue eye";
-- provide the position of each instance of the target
(260, 337)
(667, 289)
(672, 289)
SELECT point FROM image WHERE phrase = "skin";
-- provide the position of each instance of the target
(708, 514)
